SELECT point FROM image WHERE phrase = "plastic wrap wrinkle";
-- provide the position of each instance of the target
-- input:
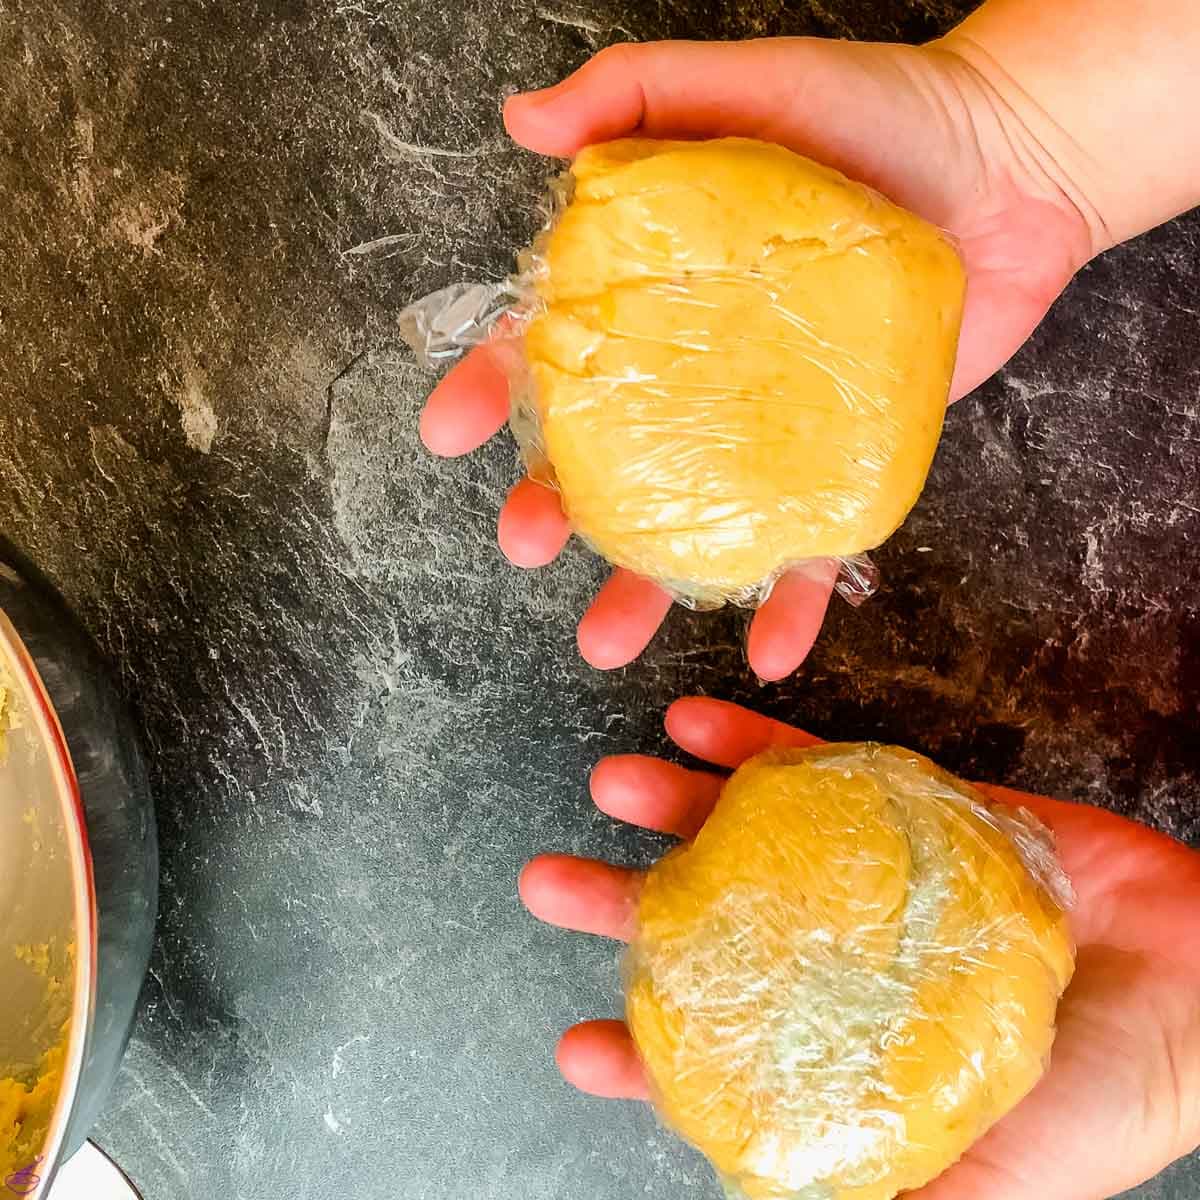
(444, 324)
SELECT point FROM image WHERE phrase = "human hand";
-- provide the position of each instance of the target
(1121, 1098)
(919, 125)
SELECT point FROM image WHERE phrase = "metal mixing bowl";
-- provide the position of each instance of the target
(78, 861)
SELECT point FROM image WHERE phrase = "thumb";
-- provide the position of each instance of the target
(659, 89)
(876, 112)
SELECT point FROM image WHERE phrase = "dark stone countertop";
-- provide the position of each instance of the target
(362, 722)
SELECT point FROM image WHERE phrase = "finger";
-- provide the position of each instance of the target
(660, 89)
(654, 794)
(786, 626)
(623, 618)
(727, 734)
(467, 406)
(532, 529)
(580, 894)
(599, 1057)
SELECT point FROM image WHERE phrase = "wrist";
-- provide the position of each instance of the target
(1035, 155)
(1101, 93)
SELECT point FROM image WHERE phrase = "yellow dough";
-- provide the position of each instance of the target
(849, 975)
(6, 714)
(740, 359)
(26, 1109)
(28, 1097)
(29, 1094)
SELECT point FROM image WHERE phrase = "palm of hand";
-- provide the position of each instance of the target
(1113, 1108)
(928, 131)
(920, 125)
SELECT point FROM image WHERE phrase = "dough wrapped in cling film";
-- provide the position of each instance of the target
(731, 362)
(849, 975)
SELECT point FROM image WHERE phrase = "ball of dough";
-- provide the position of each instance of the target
(739, 360)
(849, 974)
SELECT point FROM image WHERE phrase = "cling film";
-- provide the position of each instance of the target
(731, 362)
(849, 974)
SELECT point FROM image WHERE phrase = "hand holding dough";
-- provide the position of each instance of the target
(849, 975)
(740, 360)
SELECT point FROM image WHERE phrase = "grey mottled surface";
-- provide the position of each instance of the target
(362, 722)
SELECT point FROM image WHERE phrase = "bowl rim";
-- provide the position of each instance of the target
(39, 710)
